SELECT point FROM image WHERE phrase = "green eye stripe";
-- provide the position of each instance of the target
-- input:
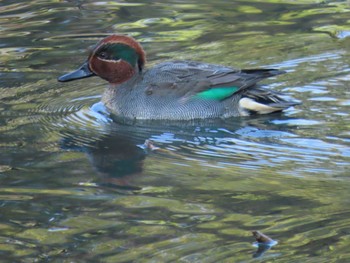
(116, 51)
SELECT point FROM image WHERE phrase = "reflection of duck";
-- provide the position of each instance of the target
(178, 90)
(117, 155)
(115, 158)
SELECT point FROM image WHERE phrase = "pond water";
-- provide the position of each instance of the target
(76, 187)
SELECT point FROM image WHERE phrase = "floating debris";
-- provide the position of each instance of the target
(5, 168)
(150, 146)
(263, 243)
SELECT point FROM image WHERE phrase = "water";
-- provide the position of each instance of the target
(76, 187)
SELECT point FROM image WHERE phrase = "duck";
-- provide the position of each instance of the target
(175, 90)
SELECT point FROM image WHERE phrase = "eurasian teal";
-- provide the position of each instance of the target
(176, 90)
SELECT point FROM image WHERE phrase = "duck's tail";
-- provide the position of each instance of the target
(264, 101)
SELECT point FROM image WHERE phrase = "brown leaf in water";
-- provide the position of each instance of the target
(261, 238)
(263, 243)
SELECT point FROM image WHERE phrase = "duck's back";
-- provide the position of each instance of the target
(179, 71)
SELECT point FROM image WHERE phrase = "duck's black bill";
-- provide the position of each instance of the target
(80, 73)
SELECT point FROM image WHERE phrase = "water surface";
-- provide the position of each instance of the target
(76, 187)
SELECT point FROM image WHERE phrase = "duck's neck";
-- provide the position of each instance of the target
(128, 83)
(117, 96)
(114, 94)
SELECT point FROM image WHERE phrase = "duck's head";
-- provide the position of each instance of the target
(115, 58)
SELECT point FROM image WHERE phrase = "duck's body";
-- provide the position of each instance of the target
(176, 90)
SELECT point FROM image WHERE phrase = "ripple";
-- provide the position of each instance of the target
(297, 122)
(83, 126)
(293, 63)
(335, 31)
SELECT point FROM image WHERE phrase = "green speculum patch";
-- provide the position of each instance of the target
(219, 93)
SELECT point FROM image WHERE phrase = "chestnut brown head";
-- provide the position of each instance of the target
(116, 59)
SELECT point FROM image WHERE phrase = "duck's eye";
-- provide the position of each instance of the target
(103, 55)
